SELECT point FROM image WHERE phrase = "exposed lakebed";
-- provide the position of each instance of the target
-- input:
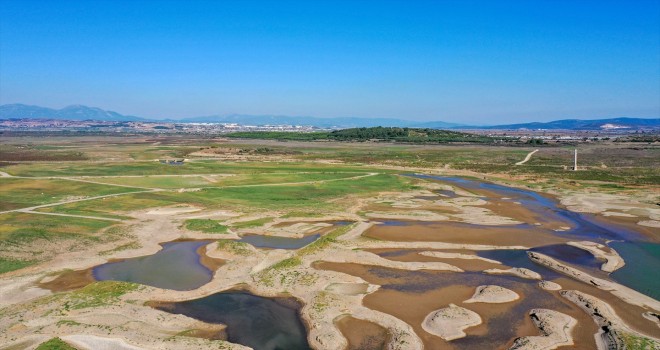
(641, 257)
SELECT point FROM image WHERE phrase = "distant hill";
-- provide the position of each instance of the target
(79, 112)
(75, 112)
(580, 124)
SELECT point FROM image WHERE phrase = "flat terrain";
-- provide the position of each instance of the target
(396, 239)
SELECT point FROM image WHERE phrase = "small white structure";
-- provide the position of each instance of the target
(575, 161)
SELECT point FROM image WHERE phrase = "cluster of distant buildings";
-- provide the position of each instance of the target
(28, 124)
(151, 127)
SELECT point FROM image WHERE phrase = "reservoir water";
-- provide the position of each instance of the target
(177, 266)
(254, 321)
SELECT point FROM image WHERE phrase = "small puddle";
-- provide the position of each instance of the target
(258, 322)
(275, 242)
(361, 334)
(177, 266)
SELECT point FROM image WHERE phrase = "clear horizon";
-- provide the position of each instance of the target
(467, 62)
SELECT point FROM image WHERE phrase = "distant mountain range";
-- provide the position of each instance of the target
(75, 112)
(79, 112)
(580, 124)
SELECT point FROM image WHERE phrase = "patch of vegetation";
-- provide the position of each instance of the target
(284, 271)
(301, 214)
(325, 240)
(98, 294)
(414, 135)
(635, 342)
(251, 223)
(205, 225)
(25, 153)
(238, 248)
(7, 265)
(68, 323)
(55, 344)
(20, 229)
(157, 168)
(286, 263)
(21, 193)
(127, 246)
(307, 196)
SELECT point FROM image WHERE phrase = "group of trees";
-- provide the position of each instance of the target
(415, 135)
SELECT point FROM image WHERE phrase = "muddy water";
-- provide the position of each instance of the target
(462, 233)
(644, 256)
(361, 334)
(411, 295)
(254, 321)
(582, 225)
(177, 266)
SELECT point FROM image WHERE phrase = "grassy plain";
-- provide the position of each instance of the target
(16, 193)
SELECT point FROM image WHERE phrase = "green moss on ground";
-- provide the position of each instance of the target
(55, 344)
(7, 265)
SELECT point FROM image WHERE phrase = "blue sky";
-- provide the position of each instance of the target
(478, 62)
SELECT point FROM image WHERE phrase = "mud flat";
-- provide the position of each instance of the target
(627, 294)
(516, 271)
(411, 295)
(549, 285)
(613, 260)
(448, 323)
(613, 330)
(556, 330)
(424, 255)
(492, 294)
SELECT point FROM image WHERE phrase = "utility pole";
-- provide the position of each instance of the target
(575, 161)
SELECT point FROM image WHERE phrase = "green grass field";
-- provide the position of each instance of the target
(22, 193)
(205, 225)
(22, 228)
(251, 223)
(25, 238)
(175, 182)
(301, 198)
(155, 168)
